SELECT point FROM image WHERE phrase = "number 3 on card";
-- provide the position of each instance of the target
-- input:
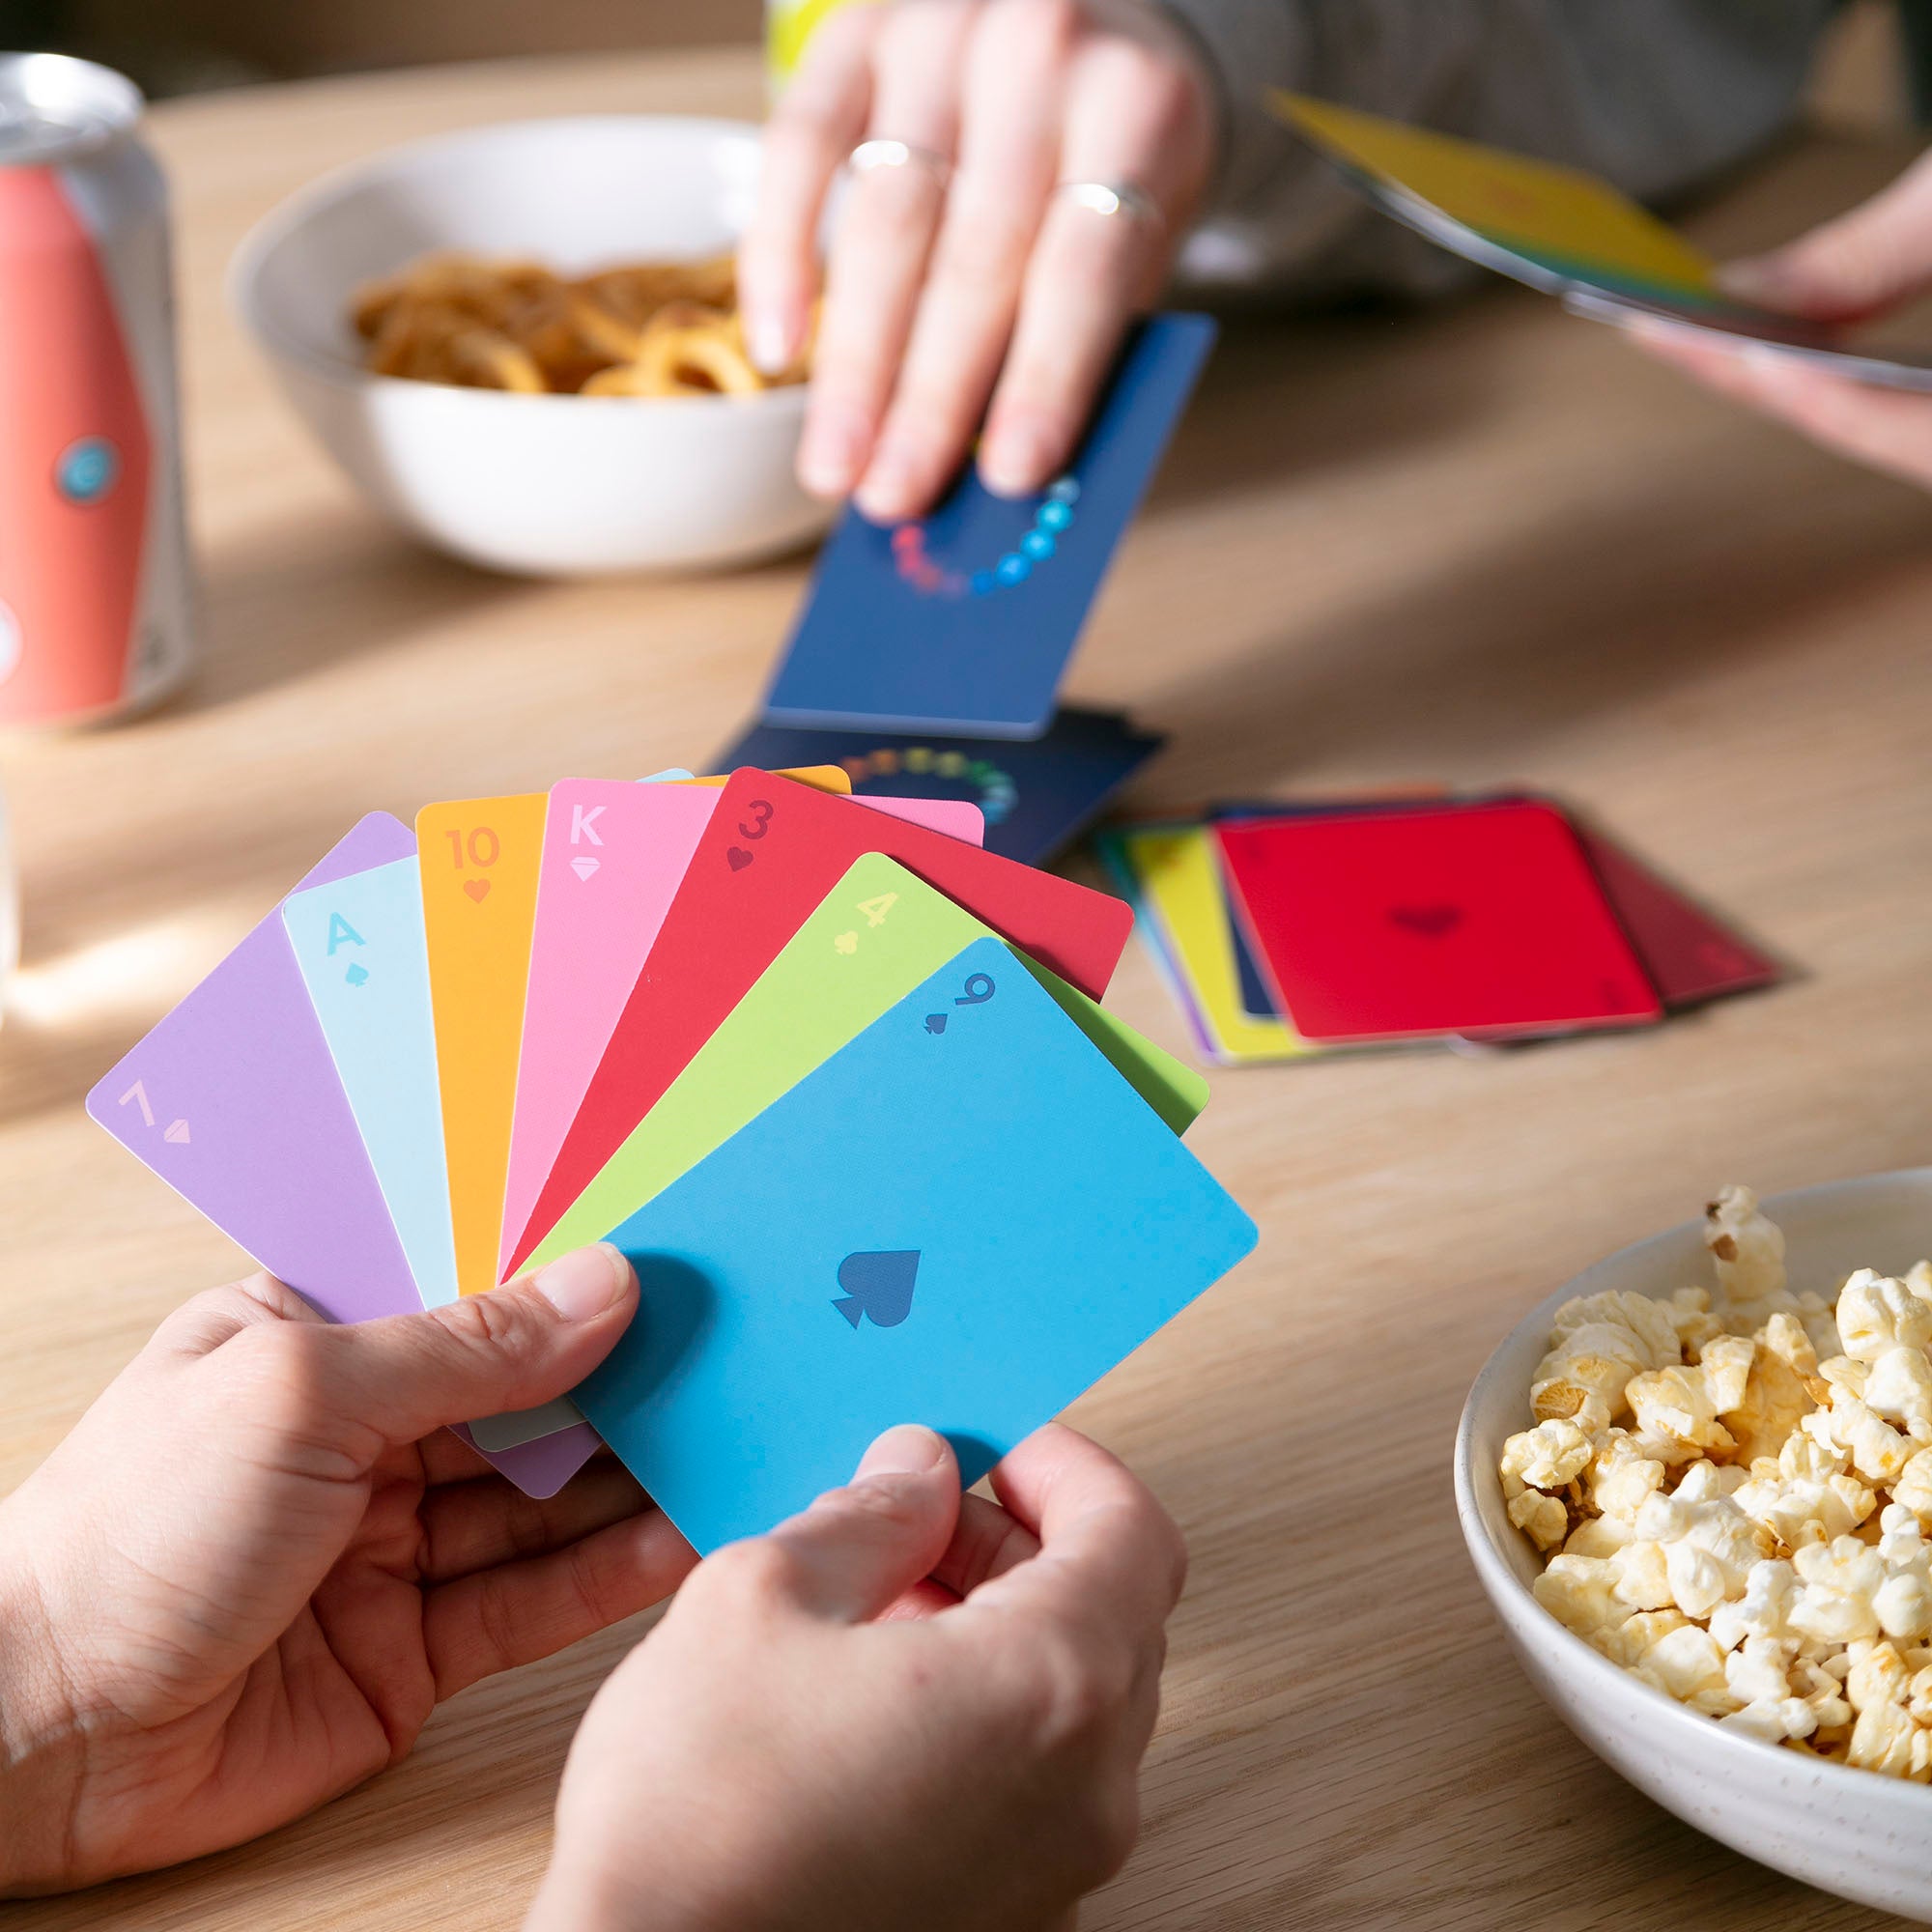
(876, 908)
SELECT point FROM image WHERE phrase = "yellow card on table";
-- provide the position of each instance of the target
(1559, 217)
(478, 859)
(1179, 881)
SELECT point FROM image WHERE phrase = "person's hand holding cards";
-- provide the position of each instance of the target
(903, 1707)
(1019, 178)
(260, 1560)
(1862, 265)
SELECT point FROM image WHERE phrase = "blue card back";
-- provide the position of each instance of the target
(964, 1219)
(963, 621)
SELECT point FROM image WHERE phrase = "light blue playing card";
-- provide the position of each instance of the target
(964, 1218)
(360, 947)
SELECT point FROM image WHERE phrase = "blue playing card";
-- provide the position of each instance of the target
(963, 620)
(964, 1219)
(1036, 793)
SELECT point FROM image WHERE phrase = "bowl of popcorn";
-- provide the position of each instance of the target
(522, 342)
(1697, 1485)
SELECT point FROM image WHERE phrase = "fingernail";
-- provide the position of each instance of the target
(583, 1283)
(834, 448)
(907, 1450)
(887, 483)
(1015, 458)
(769, 343)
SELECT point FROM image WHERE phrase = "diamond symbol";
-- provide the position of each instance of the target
(175, 1131)
(846, 942)
(583, 867)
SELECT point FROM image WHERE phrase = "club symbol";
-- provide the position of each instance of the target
(175, 1131)
(477, 889)
(737, 857)
(356, 976)
(583, 867)
(879, 1284)
(935, 1022)
(846, 943)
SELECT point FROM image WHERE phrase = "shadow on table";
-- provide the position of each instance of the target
(1605, 602)
(287, 601)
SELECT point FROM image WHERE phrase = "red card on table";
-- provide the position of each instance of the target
(771, 853)
(1487, 920)
(1690, 955)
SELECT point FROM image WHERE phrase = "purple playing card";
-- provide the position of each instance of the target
(234, 1100)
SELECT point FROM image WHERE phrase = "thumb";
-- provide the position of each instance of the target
(1868, 260)
(405, 1376)
(856, 1551)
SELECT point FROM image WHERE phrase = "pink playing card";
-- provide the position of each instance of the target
(613, 854)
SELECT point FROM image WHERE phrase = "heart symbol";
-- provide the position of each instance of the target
(737, 857)
(584, 868)
(477, 889)
(935, 1022)
(356, 976)
(1431, 921)
(879, 1284)
(846, 942)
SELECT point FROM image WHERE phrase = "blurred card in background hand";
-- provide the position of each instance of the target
(963, 620)
(1037, 793)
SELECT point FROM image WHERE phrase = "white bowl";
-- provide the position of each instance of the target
(1853, 1832)
(543, 484)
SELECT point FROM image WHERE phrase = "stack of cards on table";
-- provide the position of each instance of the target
(928, 654)
(1289, 929)
(829, 1073)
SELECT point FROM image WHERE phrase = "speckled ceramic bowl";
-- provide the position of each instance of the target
(1853, 1832)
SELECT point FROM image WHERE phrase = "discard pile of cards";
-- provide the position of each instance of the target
(1291, 929)
(833, 1076)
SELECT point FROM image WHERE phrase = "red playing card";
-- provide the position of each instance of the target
(1485, 919)
(1689, 957)
(771, 853)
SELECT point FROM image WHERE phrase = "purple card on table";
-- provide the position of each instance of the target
(234, 1100)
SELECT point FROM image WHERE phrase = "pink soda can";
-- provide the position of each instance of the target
(96, 587)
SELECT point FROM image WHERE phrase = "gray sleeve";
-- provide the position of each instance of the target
(1655, 95)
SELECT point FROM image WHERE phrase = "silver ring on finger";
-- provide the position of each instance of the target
(1123, 199)
(882, 152)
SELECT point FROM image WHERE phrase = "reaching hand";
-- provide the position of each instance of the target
(897, 1709)
(1860, 264)
(245, 1580)
(961, 257)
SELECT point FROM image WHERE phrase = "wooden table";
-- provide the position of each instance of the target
(1484, 544)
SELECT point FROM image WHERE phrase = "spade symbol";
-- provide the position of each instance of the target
(935, 1022)
(583, 867)
(879, 1284)
(737, 857)
(356, 976)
